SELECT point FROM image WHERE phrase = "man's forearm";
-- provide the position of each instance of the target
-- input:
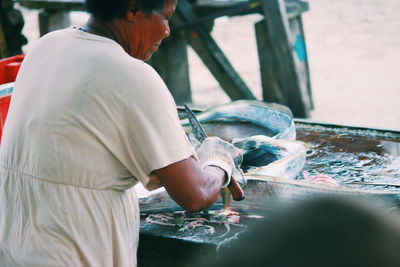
(191, 186)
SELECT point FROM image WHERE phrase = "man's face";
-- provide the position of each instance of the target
(150, 30)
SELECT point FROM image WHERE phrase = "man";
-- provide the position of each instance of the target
(88, 120)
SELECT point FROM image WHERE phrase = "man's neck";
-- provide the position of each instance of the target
(100, 28)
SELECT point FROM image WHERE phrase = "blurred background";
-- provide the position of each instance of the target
(353, 52)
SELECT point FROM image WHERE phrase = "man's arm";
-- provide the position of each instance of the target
(192, 187)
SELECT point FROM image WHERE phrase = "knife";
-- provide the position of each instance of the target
(198, 131)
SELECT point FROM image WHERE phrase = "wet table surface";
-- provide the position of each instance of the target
(358, 158)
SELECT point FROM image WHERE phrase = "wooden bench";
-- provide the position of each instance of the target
(280, 40)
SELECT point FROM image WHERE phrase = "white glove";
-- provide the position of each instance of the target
(216, 152)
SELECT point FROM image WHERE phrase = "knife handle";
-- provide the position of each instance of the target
(236, 190)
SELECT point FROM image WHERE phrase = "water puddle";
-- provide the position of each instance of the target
(365, 162)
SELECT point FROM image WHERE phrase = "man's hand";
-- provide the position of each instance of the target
(216, 152)
(196, 185)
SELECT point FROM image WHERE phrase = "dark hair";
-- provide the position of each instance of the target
(109, 9)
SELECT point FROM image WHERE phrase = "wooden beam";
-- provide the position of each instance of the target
(277, 25)
(171, 62)
(3, 44)
(212, 56)
(269, 81)
(51, 20)
(65, 5)
(307, 66)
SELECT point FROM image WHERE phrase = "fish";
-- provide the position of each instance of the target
(265, 132)
(244, 118)
(264, 155)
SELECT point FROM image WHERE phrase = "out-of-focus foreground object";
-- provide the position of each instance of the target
(330, 232)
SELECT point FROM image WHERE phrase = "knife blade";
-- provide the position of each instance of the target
(197, 129)
(200, 134)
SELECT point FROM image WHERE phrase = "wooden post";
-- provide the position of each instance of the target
(289, 79)
(171, 62)
(212, 56)
(269, 81)
(51, 20)
(305, 62)
(3, 44)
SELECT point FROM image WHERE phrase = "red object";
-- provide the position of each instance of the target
(9, 68)
(4, 105)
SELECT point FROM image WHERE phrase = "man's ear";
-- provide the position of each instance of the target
(131, 15)
(133, 9)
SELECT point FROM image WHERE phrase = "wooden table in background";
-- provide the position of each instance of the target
(285, 76)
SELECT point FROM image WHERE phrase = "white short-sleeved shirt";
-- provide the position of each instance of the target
(86, 123)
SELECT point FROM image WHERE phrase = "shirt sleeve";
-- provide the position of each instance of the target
(151, 133)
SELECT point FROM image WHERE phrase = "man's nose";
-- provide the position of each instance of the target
(167, 31)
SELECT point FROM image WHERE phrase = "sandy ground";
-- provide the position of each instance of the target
(354, 51)
(354, 48)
